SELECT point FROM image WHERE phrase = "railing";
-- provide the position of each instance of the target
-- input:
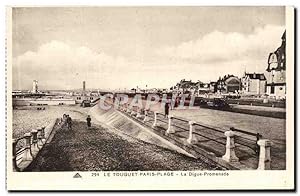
(179, 124)
(26, 148)
(159, 115)
(212, 134)
(226, 138)
(247, 139)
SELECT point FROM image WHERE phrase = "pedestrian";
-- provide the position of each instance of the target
(167, 107)
(88, 121)
(176, 103)
(64, 120)
(69, 122)
(64, 117)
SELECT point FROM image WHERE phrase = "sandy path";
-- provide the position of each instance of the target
(99, 149)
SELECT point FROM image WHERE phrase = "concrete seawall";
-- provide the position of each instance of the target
(24, 156)
(49, 128)
(40, 101)
(124, 125)
(210, 142)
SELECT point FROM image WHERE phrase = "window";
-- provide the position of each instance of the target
(272, 89)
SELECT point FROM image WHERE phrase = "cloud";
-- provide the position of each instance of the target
(58, 65)
(220, 47)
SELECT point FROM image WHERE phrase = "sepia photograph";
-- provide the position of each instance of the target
(150, 94)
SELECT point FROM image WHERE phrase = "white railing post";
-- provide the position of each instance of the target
(14, 158)
(116, 104)
(138, 115)
(191, 139)
(132, 112)
(43, 135)
(27, 156)
(155, 119)
(39, 137)
(170, 127)
(146, 116)
(34, 145)
(264, 154)
(230, 152)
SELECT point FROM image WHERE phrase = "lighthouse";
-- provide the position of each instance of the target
(35, 86)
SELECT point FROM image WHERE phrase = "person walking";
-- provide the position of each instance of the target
(64, 120)
(69, 122)
(88, 121)
(176, 103)
(167, 107)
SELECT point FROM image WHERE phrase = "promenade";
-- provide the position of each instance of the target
(102, 149)
(114, 143)
(269, 128)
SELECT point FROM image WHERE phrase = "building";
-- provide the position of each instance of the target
(185, 87)
(229, 84)
(254, 83)
(213, 87)
(194, 88)
(203, 88)
(276, 83)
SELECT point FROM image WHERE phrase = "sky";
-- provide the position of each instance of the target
(126, 47)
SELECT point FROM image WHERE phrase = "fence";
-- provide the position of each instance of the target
(27, 147)
(193, 130)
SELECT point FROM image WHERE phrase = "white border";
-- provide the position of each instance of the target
(211, 2)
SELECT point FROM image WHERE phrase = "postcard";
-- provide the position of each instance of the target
(150, 98)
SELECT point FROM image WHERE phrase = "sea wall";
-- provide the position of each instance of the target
(32, 101)
(125, 125)
(27, 147)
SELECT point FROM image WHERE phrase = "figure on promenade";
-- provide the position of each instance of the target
(64, 117)
(69, 122)
(88, 121)
(167, 107)
(176, 103)
(64, 120)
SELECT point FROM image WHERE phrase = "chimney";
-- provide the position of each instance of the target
(35, 86)
(83, 86)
